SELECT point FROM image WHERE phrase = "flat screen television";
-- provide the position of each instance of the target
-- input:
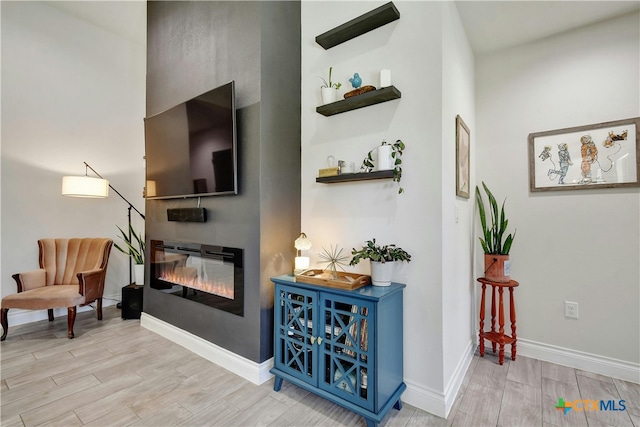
(191, 149)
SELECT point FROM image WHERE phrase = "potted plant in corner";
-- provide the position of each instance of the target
(388, 157)
(329, 89)
(383, 259)
(495, 244)
(135, 249)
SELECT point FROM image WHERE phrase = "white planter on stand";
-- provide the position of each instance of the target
(138, 274)
(381, 273)
(329, 95)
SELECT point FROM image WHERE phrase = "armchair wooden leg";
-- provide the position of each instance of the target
(71, 320)
(50, 312)
(3, 320)
(99, 308)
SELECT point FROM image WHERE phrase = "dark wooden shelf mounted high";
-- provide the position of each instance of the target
(346, 177)
(362, 24)
(368, 98)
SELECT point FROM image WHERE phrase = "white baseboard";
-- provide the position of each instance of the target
(257, 373)
(424, 398)
(452, 388)
(17, 316)
(603, 365)
(434, 401)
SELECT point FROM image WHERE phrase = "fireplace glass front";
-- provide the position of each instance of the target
(208, 274)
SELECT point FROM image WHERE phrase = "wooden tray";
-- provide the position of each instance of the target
(347, 281)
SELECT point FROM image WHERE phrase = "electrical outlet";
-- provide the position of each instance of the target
(571, 310)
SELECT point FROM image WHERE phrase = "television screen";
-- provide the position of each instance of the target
(191, 148)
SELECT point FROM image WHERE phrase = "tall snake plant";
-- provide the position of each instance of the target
(493, 240)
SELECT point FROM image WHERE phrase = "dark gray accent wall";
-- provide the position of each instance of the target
(193, 47)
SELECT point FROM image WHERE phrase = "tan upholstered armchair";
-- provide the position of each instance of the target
(71, 274)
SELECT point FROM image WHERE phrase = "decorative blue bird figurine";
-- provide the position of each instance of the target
(356, 81)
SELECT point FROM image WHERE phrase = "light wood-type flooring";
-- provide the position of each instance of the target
(117, 373)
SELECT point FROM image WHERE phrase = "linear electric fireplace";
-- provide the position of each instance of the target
(208, 274)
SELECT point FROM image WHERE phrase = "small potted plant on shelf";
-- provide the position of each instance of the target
(134, 247)
(495, 244)
(329, 89)
(388, 157)
(383, 259)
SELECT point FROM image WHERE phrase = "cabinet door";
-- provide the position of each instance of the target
(294, 346)
(346, 352)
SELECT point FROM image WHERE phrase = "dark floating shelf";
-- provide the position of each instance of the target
(346, 177)
(369, 21)
(368, 98)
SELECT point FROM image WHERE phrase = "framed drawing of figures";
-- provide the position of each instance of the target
(463, 137)
(603, 155)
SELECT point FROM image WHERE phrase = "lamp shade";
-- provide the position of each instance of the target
(302, 243)
(85, 186)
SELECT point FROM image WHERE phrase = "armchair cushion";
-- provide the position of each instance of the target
(45, 298)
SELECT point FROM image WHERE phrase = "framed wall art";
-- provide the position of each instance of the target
(602, 155)
(463, 137)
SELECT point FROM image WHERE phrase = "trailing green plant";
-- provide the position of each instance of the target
(134, 245)
(375, 252)
(397, 149)
(494, 240)
(330, 84)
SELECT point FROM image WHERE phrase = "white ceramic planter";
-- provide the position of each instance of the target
(381, 273)
(138, 274)
(329, 95)
(384, 161)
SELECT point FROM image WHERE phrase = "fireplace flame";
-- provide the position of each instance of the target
(188, 276)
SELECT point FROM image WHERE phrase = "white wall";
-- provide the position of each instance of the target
(423, 217)
(458, 305)
(71, 92)
(580, 246)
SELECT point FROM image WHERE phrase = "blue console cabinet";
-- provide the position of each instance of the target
(345, 346)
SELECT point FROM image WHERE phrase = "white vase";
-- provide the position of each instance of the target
(138, 274)
(329, 95)
(384, 161)
(381, 273)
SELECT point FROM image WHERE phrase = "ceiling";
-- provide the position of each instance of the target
(495, 25)
(489, 25)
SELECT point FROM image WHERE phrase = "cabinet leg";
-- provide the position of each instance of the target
(398, 405)
(277, 384)
(371, 423)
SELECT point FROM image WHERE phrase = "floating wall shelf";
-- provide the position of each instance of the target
(369, 21)
(346, 177)
(368, 98)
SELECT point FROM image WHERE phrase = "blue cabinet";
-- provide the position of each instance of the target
(345, 346)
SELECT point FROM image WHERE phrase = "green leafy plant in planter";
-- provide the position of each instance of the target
(134, 245)
(382, 260)
(377, 253)
(397, 149)
(495, 243)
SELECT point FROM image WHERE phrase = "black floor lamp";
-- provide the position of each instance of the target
(86, 186)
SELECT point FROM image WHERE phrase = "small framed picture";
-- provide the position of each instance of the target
(463, 137)
(602, 155)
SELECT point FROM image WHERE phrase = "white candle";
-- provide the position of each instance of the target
(385, 78)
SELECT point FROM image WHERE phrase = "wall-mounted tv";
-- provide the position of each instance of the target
(191, 148)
